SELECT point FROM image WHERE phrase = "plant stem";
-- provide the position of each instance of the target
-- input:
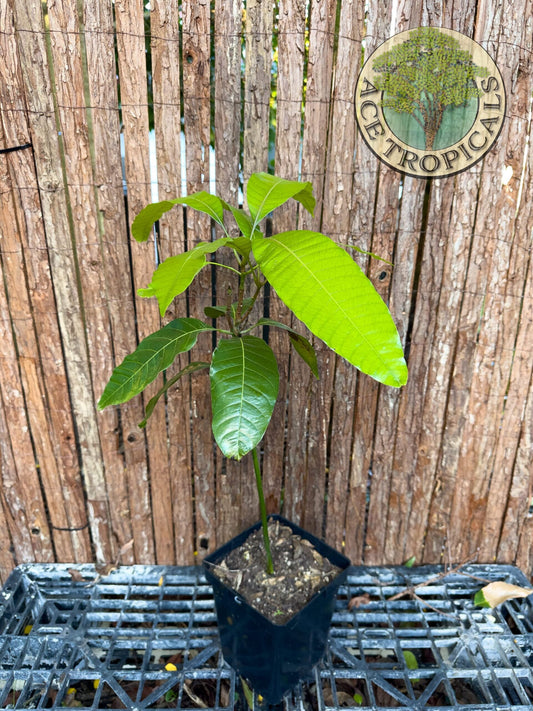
(262, 509)
(259, 285)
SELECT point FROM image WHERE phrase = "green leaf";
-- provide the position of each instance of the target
(244, 387)
(153, 354)
(479, 599)
(327, 290)
(243, 220)
(172, 277)
(410, 659)
(248, 694)
(175, 274)
(215, 311)
(201, 201)
(300, 343)
(241, 245)
(410, 562)
(305, 350)
(191, 368)
(265, 192)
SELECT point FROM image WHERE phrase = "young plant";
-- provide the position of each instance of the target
(316, 278)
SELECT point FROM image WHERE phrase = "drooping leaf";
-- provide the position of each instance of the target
(305, 350)
(244, 387)
(175, 274)
(203, 202)
(153, 354)
(215, 311)
(191, 368)
(265, 192)
(301, 344)
(495, 593)
(327, 290)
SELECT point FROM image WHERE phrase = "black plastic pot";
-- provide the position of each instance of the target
(274, 658)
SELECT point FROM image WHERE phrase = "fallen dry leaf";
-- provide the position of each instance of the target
(359, 600)
(496, 593)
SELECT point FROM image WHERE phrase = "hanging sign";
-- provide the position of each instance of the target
(430, 102)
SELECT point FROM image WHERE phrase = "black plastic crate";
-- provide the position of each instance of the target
(70, 637)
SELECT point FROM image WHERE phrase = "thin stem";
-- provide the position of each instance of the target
(225, 266)
(262, 509)
(258, 288)
(240, 297)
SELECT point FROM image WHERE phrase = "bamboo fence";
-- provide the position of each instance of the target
(104, 102)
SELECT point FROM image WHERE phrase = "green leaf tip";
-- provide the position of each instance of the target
(201, 201)
(266, 192)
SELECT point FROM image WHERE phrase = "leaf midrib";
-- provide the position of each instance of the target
(157, 352)
(339, 306)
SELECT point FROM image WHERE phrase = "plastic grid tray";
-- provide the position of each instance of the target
(71, 637)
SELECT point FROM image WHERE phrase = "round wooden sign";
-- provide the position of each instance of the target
(430, 102)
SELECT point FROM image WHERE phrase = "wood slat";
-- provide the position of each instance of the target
(22, 499)
(131, 50)
(257, 81)
(125, 449)
(513, 459)
(336, 223)
(503, 311)
(39, 97)
(306, 465)
(66, 54)
(35, 324)
(366, 174)
(196, 47)
(491, 336)
(173, 508)
(418, 449)
(228, 80)
(383, 193)
(289, 97)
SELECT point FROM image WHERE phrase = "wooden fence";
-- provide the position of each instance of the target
(443, 467)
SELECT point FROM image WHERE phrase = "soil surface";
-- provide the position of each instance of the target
(299, 572)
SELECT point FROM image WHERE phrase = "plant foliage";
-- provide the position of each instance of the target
(316, 278)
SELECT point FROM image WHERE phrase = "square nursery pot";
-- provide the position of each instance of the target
(274, 658)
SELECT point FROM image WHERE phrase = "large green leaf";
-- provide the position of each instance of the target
(265, 192)
(201, 201)
(244, 387)
(175, 274)
(327, 290)
(153, 354)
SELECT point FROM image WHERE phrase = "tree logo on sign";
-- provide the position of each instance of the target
(430, 102)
